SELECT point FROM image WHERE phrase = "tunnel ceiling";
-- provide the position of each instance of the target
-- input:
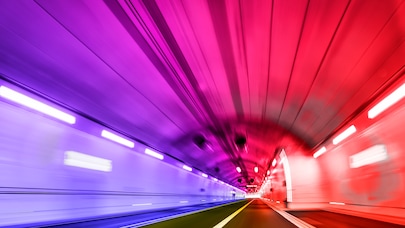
(191, 77)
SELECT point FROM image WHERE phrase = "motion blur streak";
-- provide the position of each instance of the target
(121, 110)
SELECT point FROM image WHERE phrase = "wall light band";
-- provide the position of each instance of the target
(188, 168)
(342, 136)
(73, 158)
(274, 163)
(35, 105)
(118, 139)
(141, 204)
(204, 175)
(336, 203)
(369, 156)
(319, 152)
(154, 154)
(387, 102)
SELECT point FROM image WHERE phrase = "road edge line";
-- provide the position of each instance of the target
(294, 220)
(230, 217)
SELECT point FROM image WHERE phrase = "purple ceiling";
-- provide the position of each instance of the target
(189, 77)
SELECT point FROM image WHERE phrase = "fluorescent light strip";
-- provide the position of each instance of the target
(336, 203)
(238, 169)
(141, 204)
(390, 100)
(153, 154)
(256, 169)
(35, 105)
(183, 201)
(204, 175)
(319, 152)
(349, 131)
(118, 139)
(73, 158)
(187, 168)
(369, 156)
(214, 179)
(274, 163)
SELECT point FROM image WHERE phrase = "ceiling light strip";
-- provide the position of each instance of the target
(319, 152)
(188, 168)
(118, 139)
(154, 154)
(342, 136)
(387, 102)
(31, 103)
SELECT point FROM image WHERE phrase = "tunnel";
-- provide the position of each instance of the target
(202, 113)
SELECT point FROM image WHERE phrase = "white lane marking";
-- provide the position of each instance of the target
(294, 220)
(149, 222)
(230, 217)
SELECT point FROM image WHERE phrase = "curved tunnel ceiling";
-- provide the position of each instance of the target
(189, 77)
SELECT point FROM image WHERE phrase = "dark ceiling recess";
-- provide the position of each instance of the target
(200, 141)
(240, 141)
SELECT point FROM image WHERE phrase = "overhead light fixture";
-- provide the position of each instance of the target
(349, 131)
(188, 168)
(238, 169)
(251, 186)
(336, 203)
(118, 139)
(319, 152)
(26, 101)
(141, 204)
(256, 169)
(73, 158)
(274, 163)
(387, 102)
(204, 175)
(153, 154)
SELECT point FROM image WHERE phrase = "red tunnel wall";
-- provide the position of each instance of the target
(377, 188)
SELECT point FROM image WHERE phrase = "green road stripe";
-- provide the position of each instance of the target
(201, 219)
(229, 218)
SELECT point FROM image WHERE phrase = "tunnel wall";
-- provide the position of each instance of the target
(376, 188)
(332, 182)
(36, 185)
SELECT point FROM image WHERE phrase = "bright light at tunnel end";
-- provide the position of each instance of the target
(319, 152)
(35, 105)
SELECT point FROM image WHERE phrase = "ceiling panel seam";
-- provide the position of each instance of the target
(108, 65)
(294, 61)
(269, 60)
(321, 62)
